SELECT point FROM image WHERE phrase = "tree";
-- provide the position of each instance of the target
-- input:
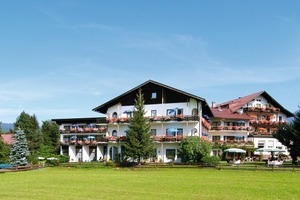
(19, 151)
(4, 152)
(30, 126)
(138, 144)
(51, 134)
(193, 149)
(289, 135)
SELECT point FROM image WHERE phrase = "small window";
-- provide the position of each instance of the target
(280, 118)
(153, 132)
(153, 95)
(171, 131)
(179, 131)
(153, 113)
(180, 111)
(170, 153)
(171, 112)
(261, 144)
(114, 115)
(216, 138)
(114, 133)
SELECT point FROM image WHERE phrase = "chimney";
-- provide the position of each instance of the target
(213, 104)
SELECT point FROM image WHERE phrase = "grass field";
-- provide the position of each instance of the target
(170, 183)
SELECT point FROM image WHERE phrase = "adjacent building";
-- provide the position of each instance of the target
(248, 122)
(174, 114)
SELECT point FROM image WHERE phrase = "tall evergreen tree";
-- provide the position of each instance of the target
(30, 126)
(19, 151)
(138, 144)
(50, 131)
(289, 135)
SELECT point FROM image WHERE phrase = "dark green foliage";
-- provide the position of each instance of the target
(211, 160)
(51, 135)
(193, 149)
(30, 126)
(19, 150)
(289, 135)
(4, 152)
(138, 144)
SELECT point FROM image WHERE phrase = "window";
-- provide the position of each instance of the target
(180, 111)
(194, 112)
(153, 113)
(280, 118)
(270, 144)
(129, 114)
(114, 115)
(114, 133)
(153, 95)
(170, 153)
(153, 132)
(174, 131)
(179, 131)
(261, 144)
(174, 112)
(216, 138)
(171, 112)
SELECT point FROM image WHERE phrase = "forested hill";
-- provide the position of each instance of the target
(7, 126)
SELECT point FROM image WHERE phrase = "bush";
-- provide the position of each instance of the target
(63, 158)
(211, 160)
(54, 162)
(110, 163)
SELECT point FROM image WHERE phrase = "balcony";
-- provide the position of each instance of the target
(164, 138)
(176, 118)
(265, 127)
(232, 128)
(261, 110)
(233, 143)
(101, 129)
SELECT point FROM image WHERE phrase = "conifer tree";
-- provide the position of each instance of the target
(138, 144)
(30, 126)
(51, 134)
(19, 151)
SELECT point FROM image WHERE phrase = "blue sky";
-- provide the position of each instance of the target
(60, 59)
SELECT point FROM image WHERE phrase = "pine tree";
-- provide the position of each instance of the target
(138, 144)
(29, 124)
(19, 151)
(51, 134)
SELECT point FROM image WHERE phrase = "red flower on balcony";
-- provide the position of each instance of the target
(123, 120)
(179, 137)
(113, 120)
(111, 138)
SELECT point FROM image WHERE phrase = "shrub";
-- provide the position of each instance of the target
(110, 163)
(63, 158)
(211, 160)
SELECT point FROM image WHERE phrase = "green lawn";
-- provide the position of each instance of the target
(163, 183)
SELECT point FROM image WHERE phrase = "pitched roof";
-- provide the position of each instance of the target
(7, 138)
(224, 113)
(80, 120)
(236, 104)
(129, 96)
